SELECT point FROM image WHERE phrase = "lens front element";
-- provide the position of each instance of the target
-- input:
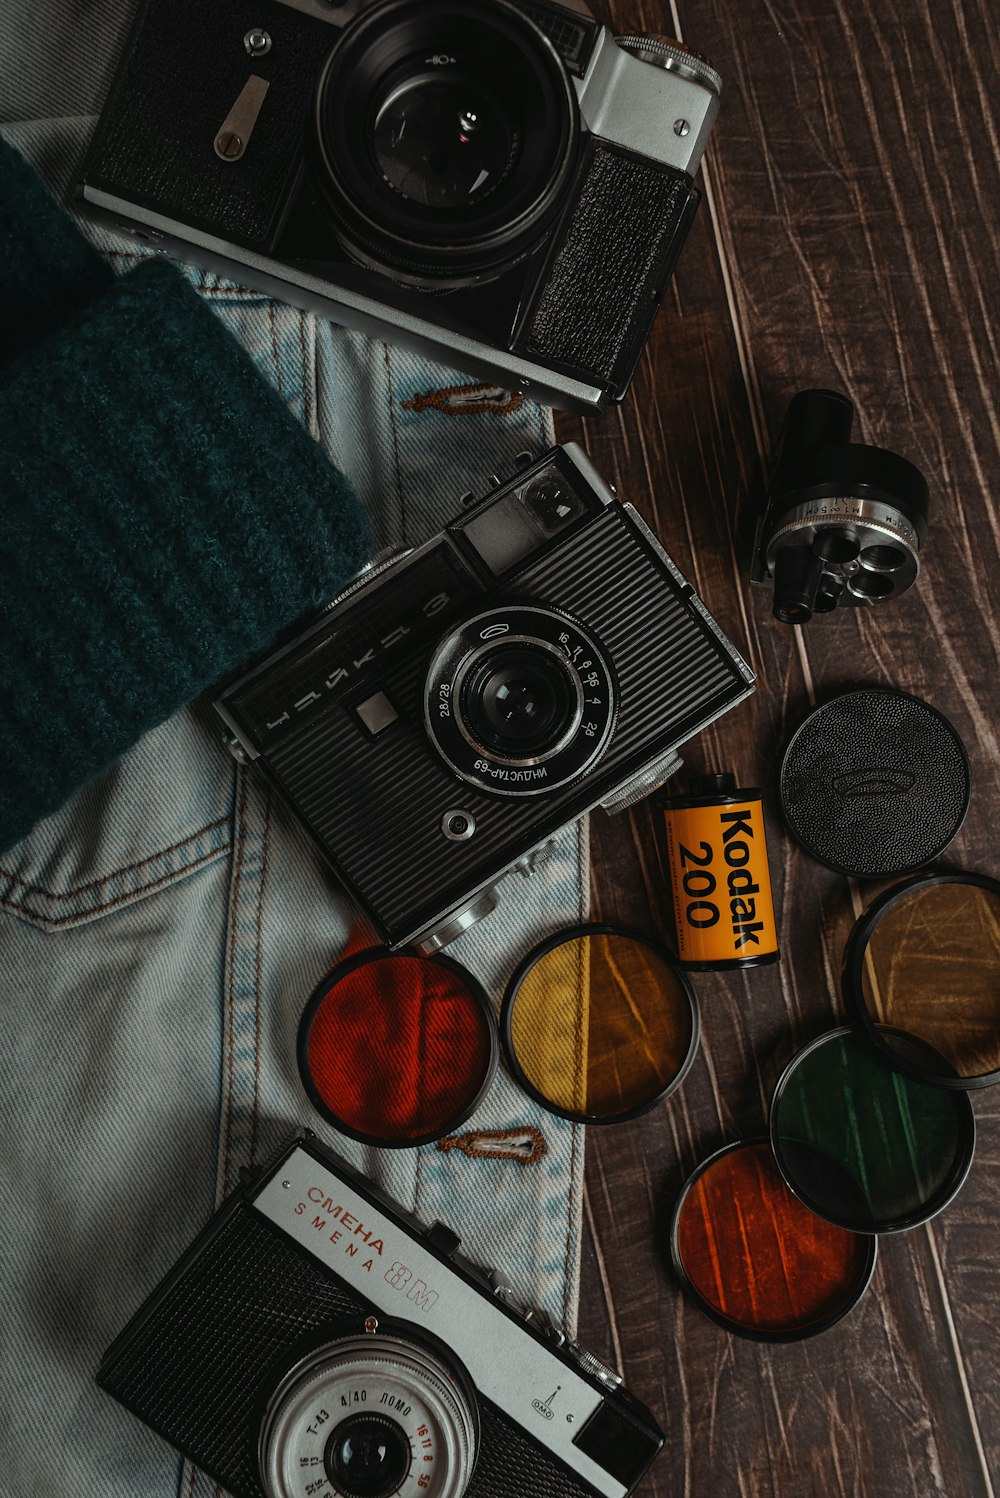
(444, 138)
(368, 1456)
(412, 1425)
(446, 142)
(519, 700)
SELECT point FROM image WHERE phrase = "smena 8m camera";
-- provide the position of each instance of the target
(461, 703)
(318, 1340)
(502, 184)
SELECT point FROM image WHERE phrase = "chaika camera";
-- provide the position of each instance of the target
(502, 184)
(317, 1340)
(461, 703)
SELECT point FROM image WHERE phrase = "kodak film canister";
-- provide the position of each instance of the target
(714, 849)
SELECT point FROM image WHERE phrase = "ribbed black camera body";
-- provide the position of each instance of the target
(329, 154)
(312, 1309)
(447, 717)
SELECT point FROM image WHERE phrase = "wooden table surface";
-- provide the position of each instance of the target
(848, 239)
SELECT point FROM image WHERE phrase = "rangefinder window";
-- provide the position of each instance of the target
(507, 532)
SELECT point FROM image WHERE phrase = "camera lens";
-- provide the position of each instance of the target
(444, 138)
(519, 700)
(444, 142)
(367, 1457)
(370, 1454)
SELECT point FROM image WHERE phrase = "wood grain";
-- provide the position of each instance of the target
(849, 239)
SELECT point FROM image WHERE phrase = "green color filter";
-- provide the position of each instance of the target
(863, 1145)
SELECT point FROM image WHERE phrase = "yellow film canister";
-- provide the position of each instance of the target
(714, 850)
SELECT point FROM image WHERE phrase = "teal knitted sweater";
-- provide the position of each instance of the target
(162, 514)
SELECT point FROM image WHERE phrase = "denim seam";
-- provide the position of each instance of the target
(265, 853)
(395, 443)
(573, 1183)
(274, 347)
(240, 836)
(101, 906)
(130, 868)
(306, 403)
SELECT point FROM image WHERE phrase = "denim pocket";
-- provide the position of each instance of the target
(161, 813)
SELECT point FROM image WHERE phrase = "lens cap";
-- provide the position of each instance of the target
(755, 1259)
(599, 1024)
(875, 783)
(864, 1146)
(926, 959)
(397, 1049)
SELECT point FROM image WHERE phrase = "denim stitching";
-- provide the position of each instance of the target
(274, 346)
(395, 443)
(306, 410)
(257, 976)
(240, 836)
(82, 889)
(132, 894)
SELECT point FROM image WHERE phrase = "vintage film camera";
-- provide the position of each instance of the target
(460, 704)
(502, 184)
(317, 1339)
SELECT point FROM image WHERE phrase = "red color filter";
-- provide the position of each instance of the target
(397, 1049)
(757, 1260)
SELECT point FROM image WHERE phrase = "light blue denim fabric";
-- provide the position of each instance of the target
(158, 939)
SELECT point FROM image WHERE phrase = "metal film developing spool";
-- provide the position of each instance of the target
(925, 958)
(755, 1259)
(599, 1024)
(863, 1145)
(397, 1049)
(714, 849)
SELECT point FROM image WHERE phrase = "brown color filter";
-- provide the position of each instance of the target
(757, 1260)
(715, 853)
(926, 959)
(599, 1024)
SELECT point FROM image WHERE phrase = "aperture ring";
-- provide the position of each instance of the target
(591, 679)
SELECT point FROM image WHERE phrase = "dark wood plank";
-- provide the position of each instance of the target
(855, 179)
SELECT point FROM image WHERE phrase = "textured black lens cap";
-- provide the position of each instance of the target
(875, 783)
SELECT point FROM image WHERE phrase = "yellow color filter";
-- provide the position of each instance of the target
(599, 1024)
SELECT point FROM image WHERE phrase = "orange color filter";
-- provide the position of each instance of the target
(755, 1258)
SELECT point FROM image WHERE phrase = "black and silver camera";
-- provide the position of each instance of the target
(460, 704)
(316, 1339)
(500, 183)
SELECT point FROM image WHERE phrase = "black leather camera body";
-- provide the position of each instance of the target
(316, 1339)
(463, 702)
(502, 184)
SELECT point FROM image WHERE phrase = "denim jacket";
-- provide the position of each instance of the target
(159, 938)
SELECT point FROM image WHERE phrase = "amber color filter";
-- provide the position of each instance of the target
(599, 1024)
(755, 1259)
(926, 959)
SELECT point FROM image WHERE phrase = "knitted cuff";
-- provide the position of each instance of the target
(163, 517)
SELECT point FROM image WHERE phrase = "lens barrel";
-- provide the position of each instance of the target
(519, 700)
(443, 138)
